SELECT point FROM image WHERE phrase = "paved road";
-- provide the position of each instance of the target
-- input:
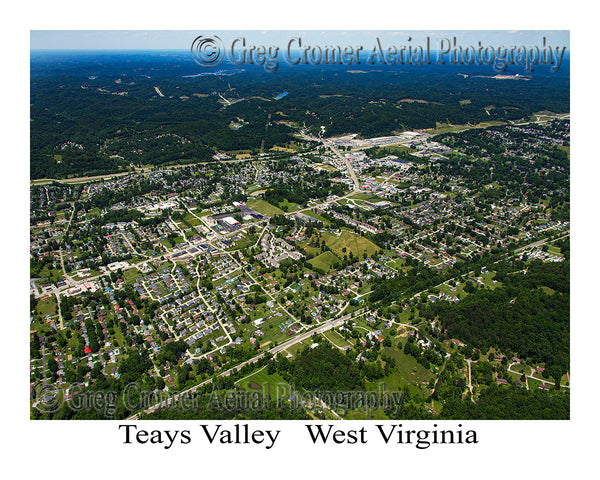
(327, 325)
(348, 166)
(539, 243)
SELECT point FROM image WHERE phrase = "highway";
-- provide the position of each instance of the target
(323, 327)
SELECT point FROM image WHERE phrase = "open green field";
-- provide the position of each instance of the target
(264, 207)
(408, 372)
(447, 128)
(324, 261)
(244, 242)
(488, 280)
(289, 207)
(131, 274)
(262, 378)
(554, 250)
(325, 166)
(397, 263)
(191, 220)
(294, 349)
(366, 414)
(356, 244)
(458, 292)
(45, 307)
(335, 338)
(203, 213)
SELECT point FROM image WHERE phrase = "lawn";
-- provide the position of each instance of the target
(264, 207)
(282, 149)
(204, 213)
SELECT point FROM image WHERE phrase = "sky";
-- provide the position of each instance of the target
(182, 39)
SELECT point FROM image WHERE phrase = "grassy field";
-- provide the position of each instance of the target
(289, 207)
(356, 244)
(554, 250)
(244, 242)
(365, 196)
(282, 149)
(262, 378)
(325, 166)
(203, 213)
(396, 264)
(256, 192)
(335, 338)
(264, 207)
(447, 128)
(407, 372)
(324, 261)
(46, 306)
(131, 274)
(191, 220)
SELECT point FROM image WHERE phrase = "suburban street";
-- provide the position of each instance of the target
(328, 325)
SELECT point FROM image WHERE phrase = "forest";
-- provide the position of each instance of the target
(527, 316)
(89, 118)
